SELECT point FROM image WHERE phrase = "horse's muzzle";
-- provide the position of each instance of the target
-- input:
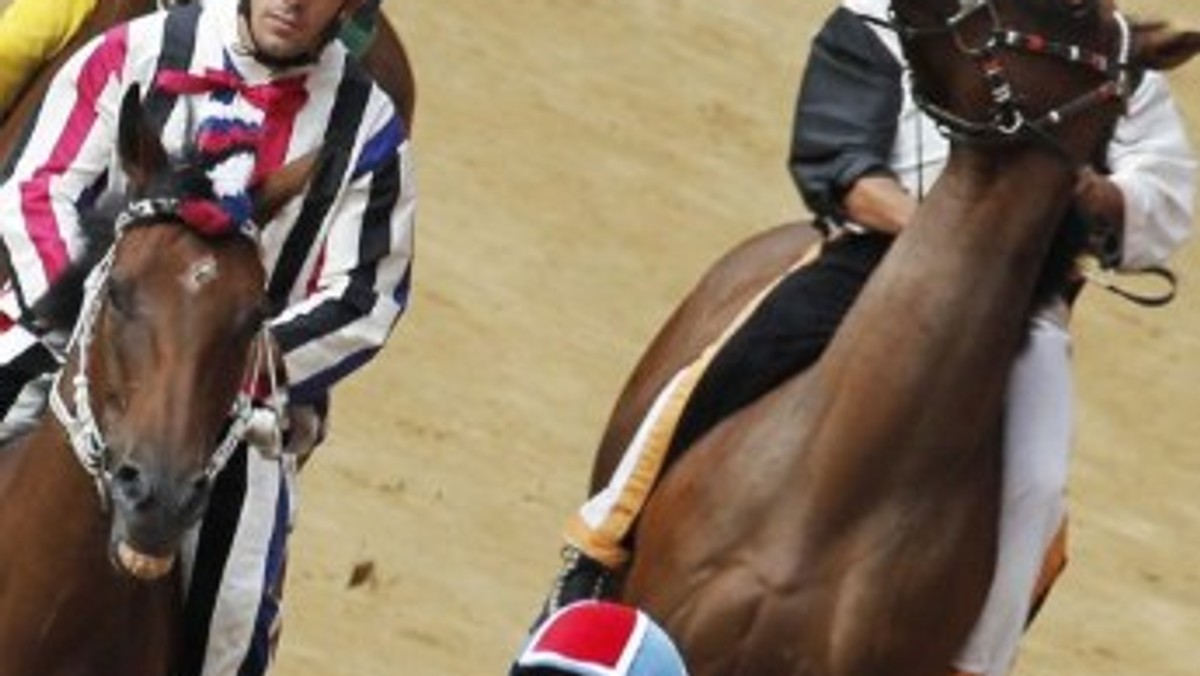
(151, 513)
(142, 566)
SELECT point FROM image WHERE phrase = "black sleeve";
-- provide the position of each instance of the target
(846, 113)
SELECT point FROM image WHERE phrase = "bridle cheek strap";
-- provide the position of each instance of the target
(1008, 121)
(79, 421)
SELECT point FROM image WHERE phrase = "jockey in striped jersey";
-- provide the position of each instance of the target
(33, 31)
(338, 259)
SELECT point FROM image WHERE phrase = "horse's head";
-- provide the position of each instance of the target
(995, 71)
(169, 340)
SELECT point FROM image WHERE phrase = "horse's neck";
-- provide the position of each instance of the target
(48, 502)
(59, 596)
(922, 360)
(42, 464)
(49, 506)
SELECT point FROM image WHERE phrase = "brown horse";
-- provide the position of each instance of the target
(150, 403)
(844, 523)
(151, 449)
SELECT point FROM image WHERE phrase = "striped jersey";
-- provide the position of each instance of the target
(338, 258)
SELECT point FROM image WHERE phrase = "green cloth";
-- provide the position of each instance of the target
(358, 32)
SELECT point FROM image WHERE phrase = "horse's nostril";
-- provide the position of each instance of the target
(201, 483)
(130, 485)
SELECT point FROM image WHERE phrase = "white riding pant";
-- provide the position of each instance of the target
(234, 569)
(1037, 445)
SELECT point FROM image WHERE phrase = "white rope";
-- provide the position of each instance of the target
(86, 439)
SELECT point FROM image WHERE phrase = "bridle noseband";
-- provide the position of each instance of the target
(1008, 122)
(79, 421)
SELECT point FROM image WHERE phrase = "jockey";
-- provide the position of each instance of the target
(597, 638)
(862, 156)
(33, 31)
(338, 259)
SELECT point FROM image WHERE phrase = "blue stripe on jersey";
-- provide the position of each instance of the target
(317, 387)
(379, 148)
(258, 658)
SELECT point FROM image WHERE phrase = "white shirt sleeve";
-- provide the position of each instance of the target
(1154, 165)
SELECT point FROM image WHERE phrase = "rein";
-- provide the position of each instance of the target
(86, 438)
(1105, 278)
(1008, 121)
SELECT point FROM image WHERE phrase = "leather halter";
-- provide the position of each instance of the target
(1008, 121)
(79, 421)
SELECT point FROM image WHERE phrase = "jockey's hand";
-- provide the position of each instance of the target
(1100, 197)
(1103, 202)
(297, 434)
(305, 431)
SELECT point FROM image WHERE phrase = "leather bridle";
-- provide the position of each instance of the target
(78, 419)
(1008, 121)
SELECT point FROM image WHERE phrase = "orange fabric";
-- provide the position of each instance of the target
(603, 544)
(1052, 567)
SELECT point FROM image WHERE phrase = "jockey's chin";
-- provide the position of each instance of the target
(288, 29)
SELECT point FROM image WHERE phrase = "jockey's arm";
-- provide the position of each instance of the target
(361, 286)
(63, 166)
(879, 203)
(1153, 167)
(845, 126)
(31, 33)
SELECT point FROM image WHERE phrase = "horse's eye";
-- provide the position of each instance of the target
(251, 321)
(121, 296)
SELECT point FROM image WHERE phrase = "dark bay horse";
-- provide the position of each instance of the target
(845, 523)
(150, 403)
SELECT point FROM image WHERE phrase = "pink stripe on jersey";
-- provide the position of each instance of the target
(40, 222)
(315, 278)
(279, 123)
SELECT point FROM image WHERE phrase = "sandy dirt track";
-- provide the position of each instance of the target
(580, 162)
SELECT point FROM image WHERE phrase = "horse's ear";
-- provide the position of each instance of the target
(142, 153)
(283, 184)
(1158, 46)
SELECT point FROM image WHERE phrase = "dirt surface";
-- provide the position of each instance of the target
(580, 162)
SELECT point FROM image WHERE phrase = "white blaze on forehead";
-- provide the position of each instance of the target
(200, 273)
